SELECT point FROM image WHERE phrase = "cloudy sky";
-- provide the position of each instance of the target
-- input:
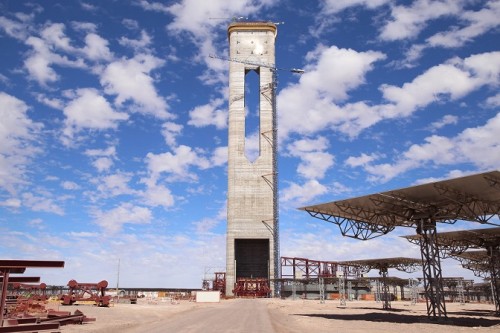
(113, 125)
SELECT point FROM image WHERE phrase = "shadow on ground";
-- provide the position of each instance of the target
(392, 317)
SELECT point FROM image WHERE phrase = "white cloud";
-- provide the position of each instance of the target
(470, 25)
(177, 163)
(55, 36)
(170, 131)
(158, 195)
(219, 156)
(110, 151)
(130, 80)
(16, 29)
(103, 163)
(206, 225)
(471, 146)
(446, 120)
(43, 56)
(361, 160)
(331, 74)
(89, 7)
(114, 185)
(453, 80)
(89, 110)
(408, 21)
(17, 136)
(153, 6)
(96, 48)
(130, 24)
(54, 103)
(68, 185)
(137, 44)
(477, 23)
(252, 145)
(449, 175)
(102, 158)
(193, 16)
(38, 64)
(298, 195)
(493, 101)
(314, 160)
(209, 114)
(113, 220)
(336, 6)
(84, 26)
(41, 204)
(11, 203)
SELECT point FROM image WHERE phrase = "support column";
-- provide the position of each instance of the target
(321, 286)
(433, 280)
(494, 254)
(342, 289)
(413, 291)
(3, 297)
(385, 289)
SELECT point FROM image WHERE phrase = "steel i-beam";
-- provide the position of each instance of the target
(433, 283)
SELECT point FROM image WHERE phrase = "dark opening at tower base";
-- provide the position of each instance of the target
(252, 267)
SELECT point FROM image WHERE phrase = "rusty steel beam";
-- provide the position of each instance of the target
(30, 328)
(22, 279)
(31, 264)
(9, 266)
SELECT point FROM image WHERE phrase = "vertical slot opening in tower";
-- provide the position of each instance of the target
(252, 258)
(252, 114)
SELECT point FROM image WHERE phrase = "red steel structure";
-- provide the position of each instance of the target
(293, 268)
(220, 282)
(8, 267)
(252, 287)
(95, 292)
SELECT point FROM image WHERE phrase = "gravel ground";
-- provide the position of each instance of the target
(282, 316)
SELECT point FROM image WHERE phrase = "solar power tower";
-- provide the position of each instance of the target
(252, 233)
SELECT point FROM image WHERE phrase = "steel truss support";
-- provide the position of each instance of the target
(377, 291)
(321, 287)
(385, 290)
(413, 284)
(460, 289)
(467, 206)
(494, 254)
(355, 228)
(294, 290)
(433, 280)
(342, 297)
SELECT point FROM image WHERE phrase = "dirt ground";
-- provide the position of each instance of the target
(282, 316)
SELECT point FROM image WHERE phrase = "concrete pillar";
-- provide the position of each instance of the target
(250, 184)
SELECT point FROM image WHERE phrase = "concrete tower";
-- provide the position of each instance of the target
(251, 199)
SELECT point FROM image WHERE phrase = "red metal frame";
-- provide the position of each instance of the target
(19, 266)
(251, 287)
(220, 282)
(87, 292)
(310, 269)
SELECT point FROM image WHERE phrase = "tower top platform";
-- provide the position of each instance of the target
(252, 26)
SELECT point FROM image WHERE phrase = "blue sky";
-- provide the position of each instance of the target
(113, 125)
